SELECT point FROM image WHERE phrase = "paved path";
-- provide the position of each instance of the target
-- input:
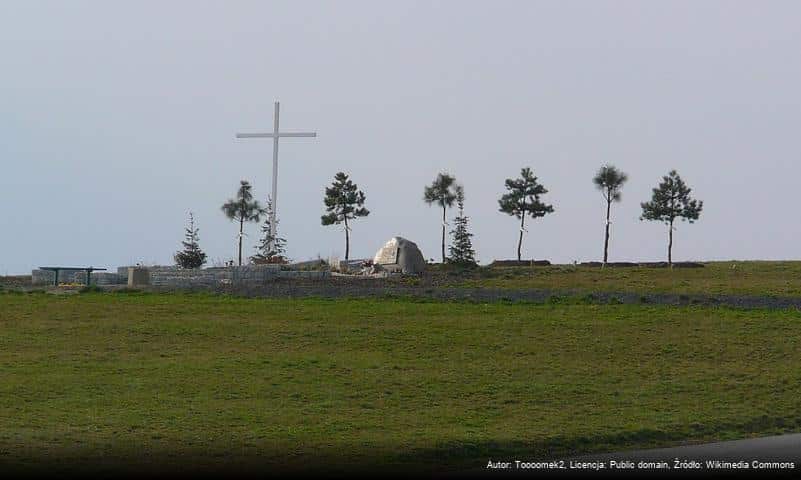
(778, 448)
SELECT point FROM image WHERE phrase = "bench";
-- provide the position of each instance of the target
(88, 271)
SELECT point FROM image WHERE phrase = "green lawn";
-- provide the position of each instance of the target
(731, 278)
(201, 380)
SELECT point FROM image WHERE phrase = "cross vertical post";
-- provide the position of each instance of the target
(273, 226)
(275, 135)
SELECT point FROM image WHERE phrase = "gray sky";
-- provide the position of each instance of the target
(117, 118)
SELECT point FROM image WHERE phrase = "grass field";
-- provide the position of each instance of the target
(160, 380)
(728, 278)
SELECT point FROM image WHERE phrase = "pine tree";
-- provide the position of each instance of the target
(191, 256)
(442, 192)
(671, 200)
(243, 209)
(609, 180)
(461, 250)
(267, 250)
(344, 202)
(523, 199)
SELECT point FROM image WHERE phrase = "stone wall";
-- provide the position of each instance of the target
(174, 277)
(123, 271)
(101, 278)
(189, 278)
(212, 277)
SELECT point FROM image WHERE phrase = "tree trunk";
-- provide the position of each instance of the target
(606, 237)
(347, 240)
(241, 228)
(443, 233)
(520, 240)
(670, 245)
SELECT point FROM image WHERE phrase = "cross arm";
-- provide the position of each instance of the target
(273, 135)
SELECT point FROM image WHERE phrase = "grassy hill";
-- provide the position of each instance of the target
(198, 381)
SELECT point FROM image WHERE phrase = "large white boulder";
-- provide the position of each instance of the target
(400, 254)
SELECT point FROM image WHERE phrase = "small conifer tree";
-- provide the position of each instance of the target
(191, 256)
(344, 203)
(461, 250)
(269, 251)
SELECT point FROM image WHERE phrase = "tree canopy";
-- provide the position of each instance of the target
(671, 200)
(609, 180)
(523, 197)
(442, 191)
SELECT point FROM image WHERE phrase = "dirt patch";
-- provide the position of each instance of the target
(341, 287)
(609, 264)
(520, 263)
(643, 264)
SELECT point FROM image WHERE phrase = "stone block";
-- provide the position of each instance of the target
(403, 253)
(138, 276)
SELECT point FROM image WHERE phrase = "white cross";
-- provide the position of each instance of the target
(275, 136)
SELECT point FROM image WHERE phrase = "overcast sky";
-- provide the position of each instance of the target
(117, 118)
